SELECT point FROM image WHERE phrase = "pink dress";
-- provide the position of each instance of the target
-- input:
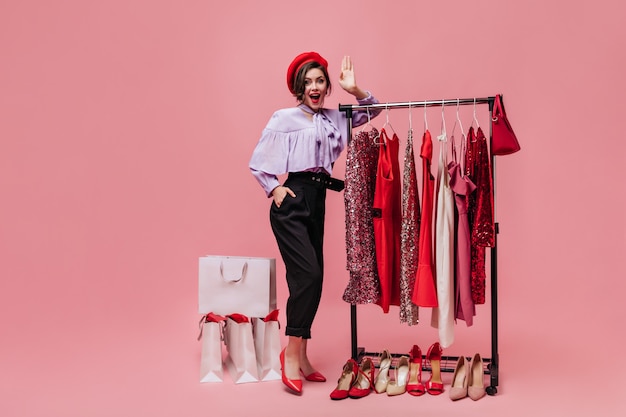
(462, 186)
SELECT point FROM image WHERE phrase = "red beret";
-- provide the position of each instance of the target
(298, 62)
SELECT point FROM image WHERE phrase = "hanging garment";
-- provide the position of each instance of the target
(443, 315)
(462, 187)
(480, 208)
(425, 293)
(409, 236)
(387, 220)
(361, 163)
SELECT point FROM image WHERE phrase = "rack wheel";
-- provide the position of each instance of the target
(491, 390)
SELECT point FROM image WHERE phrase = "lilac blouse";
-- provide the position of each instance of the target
(292, 142)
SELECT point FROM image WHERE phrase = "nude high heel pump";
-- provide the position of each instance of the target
(434, 386)
(382, 378)
(414, 386)
(458, 388)
(398, 386)
(476, 384)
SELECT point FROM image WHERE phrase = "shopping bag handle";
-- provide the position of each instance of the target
(244, 270)
(212, 318)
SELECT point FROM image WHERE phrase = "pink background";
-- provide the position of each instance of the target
(126, 128)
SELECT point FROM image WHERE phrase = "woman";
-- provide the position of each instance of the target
(304, 141)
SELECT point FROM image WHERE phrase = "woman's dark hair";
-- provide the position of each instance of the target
(299, 81)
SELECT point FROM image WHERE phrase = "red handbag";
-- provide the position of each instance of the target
(503, 139)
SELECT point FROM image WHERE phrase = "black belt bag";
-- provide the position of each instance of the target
(321, 179)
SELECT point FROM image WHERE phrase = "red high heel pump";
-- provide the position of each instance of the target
(293, 384)
(314, 376)
(434, 386)
(364, 381)
(346, 380)
(415, 386)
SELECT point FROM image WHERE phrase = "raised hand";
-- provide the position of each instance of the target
(347, 80)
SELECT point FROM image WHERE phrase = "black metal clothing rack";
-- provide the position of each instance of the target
(448, 362)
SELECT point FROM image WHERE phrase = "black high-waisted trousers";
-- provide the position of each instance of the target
(298, 226)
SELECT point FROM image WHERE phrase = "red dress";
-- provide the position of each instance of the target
(480, 208)
(425, 291)
(387, 220)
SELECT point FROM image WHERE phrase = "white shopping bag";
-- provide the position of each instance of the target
(267, 345)
(235, 284)
(211, 367)
(241, 360)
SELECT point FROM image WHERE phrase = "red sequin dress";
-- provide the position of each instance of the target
(361, 163)
(480, 208)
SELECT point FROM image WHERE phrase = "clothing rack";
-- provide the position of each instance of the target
(447, 362)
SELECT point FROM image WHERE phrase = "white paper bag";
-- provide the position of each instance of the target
(235, 284)
(211, 368)
(241, 360)
(267, 345)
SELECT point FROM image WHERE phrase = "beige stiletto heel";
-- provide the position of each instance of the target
(458, 388)
(398, 386)
(476, 384)
(382, 378)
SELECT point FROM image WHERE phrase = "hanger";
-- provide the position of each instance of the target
(410, 135)
(463, 145)
(456, 121)
(425, 119)
(475, 119)
(387, 121)
(443, 136)
(372, 128)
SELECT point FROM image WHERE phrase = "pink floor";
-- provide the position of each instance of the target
(126, 128)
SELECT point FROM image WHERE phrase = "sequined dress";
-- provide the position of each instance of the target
(480, 208)
(361, 164)
(409, 236)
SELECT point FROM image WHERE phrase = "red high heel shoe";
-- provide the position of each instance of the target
(293, 384)
(346, 380)
(314, 376)
(415, 386)
(434, 386)
(364, 381)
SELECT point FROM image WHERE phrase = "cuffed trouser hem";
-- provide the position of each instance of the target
(298, 332)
